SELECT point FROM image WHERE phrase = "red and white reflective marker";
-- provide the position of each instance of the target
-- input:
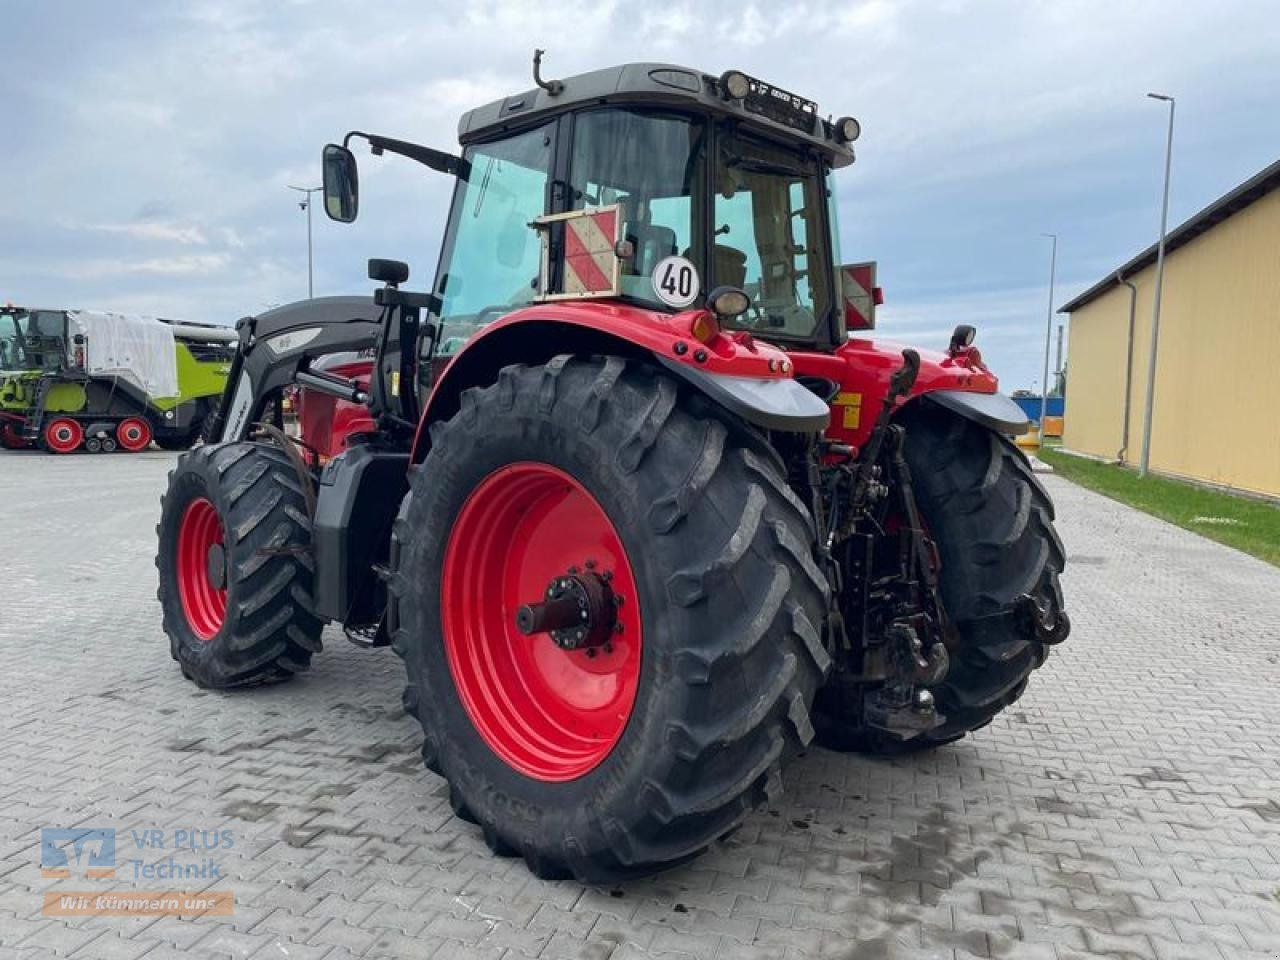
(134, 434)
(590, 263)
(860, 295)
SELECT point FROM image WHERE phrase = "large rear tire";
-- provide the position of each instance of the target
(576, 469)
(235, 566)
(992, 522)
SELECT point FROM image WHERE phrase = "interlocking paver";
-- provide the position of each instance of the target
(1125, 804)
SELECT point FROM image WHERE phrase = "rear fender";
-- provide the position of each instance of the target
(860, 370)
(747, 378)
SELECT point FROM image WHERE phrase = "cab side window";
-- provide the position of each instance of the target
(649, 164)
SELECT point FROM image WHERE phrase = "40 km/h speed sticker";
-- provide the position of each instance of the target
(675, 281)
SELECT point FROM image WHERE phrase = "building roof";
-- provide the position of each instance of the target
(1255, 188)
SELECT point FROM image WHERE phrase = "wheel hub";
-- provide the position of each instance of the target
(216, 566)
(579, 611)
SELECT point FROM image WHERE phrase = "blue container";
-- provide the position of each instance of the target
(1031, 407)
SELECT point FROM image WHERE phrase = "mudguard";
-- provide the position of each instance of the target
(772, 404)
(992, 410)
(749, 377)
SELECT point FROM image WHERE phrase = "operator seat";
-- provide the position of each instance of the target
(653, 242)
(729, 266)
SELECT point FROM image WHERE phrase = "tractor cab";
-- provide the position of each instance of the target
(32, 339)
(645, 183)
(702, 182)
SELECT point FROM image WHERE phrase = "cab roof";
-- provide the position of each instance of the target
(767, 108)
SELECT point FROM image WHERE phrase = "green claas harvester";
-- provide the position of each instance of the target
(99, 382)
(640, 512)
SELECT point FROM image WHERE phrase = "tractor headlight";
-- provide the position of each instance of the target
(728, 302)
(847, 129)
(734, 85)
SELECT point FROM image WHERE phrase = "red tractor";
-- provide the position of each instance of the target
(640, 517)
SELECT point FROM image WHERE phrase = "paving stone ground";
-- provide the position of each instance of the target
(1127, 806)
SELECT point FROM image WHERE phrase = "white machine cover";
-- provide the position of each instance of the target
(140, 349)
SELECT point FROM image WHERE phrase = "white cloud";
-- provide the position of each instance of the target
(150, 230)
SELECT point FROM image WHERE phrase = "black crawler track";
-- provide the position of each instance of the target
(732, 607)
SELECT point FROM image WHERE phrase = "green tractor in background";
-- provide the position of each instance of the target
(78, 380)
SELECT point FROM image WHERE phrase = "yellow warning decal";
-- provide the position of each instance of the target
(852, 404)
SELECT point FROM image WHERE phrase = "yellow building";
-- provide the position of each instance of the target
(1216, 416)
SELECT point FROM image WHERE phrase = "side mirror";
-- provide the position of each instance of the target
(341, 183)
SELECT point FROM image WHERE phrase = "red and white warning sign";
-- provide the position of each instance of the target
(591, 264)
(860, 294)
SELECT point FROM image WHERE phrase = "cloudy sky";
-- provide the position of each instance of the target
(148, 147)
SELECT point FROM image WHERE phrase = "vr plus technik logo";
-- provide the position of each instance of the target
(91, 853)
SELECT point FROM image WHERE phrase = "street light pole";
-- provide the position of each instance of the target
(1145, 460)
(1048, 333)
(305, 204)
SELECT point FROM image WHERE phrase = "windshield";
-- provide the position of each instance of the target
(12, 356)
(770, 238)
(492, 257)
(27, 338)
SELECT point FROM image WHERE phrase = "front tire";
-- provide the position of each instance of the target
(236, 572)
(992, 522)
(596, 462)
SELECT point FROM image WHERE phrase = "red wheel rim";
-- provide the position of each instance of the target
(203, 601)
(62, 435)
(134, 434)
(550, 713)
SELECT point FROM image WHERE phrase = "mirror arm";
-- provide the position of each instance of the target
(437, 160)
